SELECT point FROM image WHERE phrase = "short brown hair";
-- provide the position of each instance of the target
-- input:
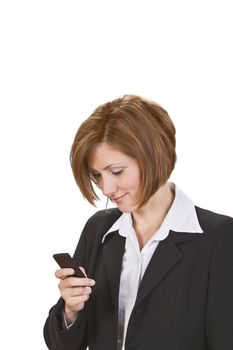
(138, 127)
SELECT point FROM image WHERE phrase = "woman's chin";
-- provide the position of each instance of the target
(126, 208)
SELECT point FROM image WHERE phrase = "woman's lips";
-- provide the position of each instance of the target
(118, 199)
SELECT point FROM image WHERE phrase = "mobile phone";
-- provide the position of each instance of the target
(64, 260)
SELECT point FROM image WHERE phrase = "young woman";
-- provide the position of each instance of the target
(159, 269)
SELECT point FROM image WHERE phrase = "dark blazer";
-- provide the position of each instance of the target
(184, 302)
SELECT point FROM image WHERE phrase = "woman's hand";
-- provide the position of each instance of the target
(74, 291)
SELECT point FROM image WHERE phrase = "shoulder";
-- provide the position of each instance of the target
(214, 224)
(108, 215)
(102, 220)
(94, 230)
(212, 220)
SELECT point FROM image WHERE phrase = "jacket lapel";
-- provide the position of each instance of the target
(113, 250)
(164, 259)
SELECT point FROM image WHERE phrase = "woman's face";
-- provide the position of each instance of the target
(116, 174)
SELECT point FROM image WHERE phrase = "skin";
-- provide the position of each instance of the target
(117, 175)
(74, 291)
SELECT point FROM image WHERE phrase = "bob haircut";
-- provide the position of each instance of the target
(138, 127)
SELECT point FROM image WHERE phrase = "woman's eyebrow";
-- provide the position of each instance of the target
(109, 166)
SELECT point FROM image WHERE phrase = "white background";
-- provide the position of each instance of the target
(60, 60)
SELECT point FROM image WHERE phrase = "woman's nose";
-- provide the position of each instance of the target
(108, 187)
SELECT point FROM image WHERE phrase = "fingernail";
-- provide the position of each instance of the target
(92, 283)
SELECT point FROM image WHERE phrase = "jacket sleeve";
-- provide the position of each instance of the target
(219, 318)
(56, 335)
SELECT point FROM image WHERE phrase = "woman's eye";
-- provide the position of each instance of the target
(117, 172)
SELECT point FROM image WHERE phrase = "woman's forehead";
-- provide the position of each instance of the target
(103, 156)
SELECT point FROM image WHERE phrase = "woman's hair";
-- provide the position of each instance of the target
(138, 127)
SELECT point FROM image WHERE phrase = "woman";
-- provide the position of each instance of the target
(159, 270)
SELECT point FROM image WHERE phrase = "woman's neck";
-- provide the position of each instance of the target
(148, 219)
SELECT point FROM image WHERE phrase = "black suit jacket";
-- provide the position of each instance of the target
(184, 302)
